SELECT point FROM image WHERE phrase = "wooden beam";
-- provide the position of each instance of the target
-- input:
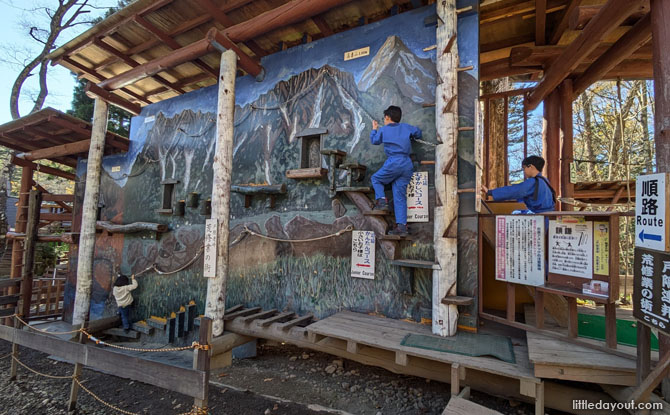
(581, 16)
(642, 392)
(92, 91)
(502, 69)
(57, 151)
(289, 13)
(660, 15)
(323, 26)
(169, 41)
(46, 195)
(540, 22)
(42, 169)
(563, 23)
(610, 17)
(226, 21)
(567, 151)
(633, 40)
(543, 55)
(219, 41)
(526, 8)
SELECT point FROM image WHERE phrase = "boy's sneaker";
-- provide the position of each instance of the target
(400, 230)
(381, 204)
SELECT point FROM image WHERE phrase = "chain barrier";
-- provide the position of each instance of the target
(194, 345)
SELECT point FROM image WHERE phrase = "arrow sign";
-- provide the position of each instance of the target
(649, 236)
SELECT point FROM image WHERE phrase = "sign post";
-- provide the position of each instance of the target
(651, 212)
(363, 254)
(417, 198)
(520, 249)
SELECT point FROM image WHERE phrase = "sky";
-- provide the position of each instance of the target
(13, 36)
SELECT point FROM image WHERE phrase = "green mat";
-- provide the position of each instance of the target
(593, 327)
(469, 344)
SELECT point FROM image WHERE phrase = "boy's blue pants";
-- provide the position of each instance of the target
(125, 316)
(398, 172)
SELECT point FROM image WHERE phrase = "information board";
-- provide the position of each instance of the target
(601, 248)
(209, 270)
(571, 247)
(363, 254)
(417, 198)
(651, 211)
(520, 249)
(651, 288)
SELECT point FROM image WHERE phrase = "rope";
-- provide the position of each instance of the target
(194, 345)
(183, 267)
(338, 233)
(197, 410)
(97, 398)
(44, 331)
(40, 373)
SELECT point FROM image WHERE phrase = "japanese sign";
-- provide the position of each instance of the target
(651, 212)
(520, 249)
(571, 247)
(363, 254)
(210, 248)
(601, 248)
(651, 288)
(358, 53)
(417, 198)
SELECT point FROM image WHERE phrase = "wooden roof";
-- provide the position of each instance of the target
(63, 137)
(148, 30)
(523, 38)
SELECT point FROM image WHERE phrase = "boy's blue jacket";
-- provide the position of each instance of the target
(396, 138)
(525, 192)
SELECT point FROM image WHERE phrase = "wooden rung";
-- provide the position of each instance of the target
(465, 68)
(394, 238)
(287, 326)
(281, 316)
(427, 162)
(415, 263)
(463, 10)
(377, 213)
(263, 314)
(429, 48)
(241, 313)
(233, 309)
(457, 300)
(466, 128)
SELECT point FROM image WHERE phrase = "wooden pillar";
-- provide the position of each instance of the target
(33, 220)
(82, 300)
(78, 368)
(551, 148)
(223, 166)
(660, 13)
(567, 156)
(201, 358)
(660, 38)
(445, 317)
(643, 352)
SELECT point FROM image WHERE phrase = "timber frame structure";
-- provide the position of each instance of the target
(155, 50)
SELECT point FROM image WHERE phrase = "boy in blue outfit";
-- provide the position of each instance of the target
(398, 168)
(535, 191)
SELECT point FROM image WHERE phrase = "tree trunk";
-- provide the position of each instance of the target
(223, 166)
(445, 238)
(618, 155)
(649, 143)
(588, 135)
(82, 300)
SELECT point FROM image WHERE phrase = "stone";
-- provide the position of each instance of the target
(331, 369)
(293, 358)
(305, 356)
(338, 362)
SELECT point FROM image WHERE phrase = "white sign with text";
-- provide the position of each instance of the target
(651, 211)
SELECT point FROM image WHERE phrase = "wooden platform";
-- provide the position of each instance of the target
(556, 359)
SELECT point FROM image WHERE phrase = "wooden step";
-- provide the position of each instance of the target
(241, 313)
(395, 238)
(460, 406)
(374, 212)
(457, 300)
(311, 173)
(296, 321)
(282, 317)
(415, 263)
(352, 166)
(260, 315)
(329, 151)
(119, 332)
(361, 189)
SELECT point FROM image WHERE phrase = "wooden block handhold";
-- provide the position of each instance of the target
(465, 68)
(353, 347)
(263, 314)
(276, 319)
(457, 300)
(452, 229)
(401, 358)
(450, 44)
(311, 173)
(466, 128)
(449, 168)
(300, 320)
(233, 309)
(241, 313)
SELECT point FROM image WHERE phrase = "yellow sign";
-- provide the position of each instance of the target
(601, 248)
(116, 169)
(358, 53)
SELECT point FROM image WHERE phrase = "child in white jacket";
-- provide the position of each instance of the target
(124, 298)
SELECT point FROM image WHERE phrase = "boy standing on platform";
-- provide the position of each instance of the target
(398, 168)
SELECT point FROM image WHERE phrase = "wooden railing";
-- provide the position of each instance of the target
(47, 298)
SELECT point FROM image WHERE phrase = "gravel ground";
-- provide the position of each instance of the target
(282, 379)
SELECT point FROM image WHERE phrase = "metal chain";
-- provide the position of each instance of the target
(39, 373)
(194, 345)
(16, 316)
(97, 398)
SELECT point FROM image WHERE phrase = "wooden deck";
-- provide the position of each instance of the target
(555, 359)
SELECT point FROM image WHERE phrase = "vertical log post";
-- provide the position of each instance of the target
(567, 156)
(223, 166)
(445, 317)
(201, 358)
(82, 300)
(21, 218)
(660, 38)
(551, 140)
(78, 367)
(34, 205)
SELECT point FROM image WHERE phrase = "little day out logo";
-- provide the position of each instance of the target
(651, 212)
